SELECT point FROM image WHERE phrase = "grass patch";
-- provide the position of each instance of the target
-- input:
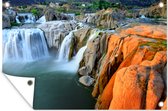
(160, 45)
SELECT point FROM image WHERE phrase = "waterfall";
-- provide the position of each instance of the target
(65, 47)
(25, 18)
(143, 17)
(41, 20)
(24, 45)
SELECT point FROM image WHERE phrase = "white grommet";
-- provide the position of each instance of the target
(161, 104)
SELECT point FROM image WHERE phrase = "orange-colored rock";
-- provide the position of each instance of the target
(104, 74)
(151, 31)
(140, 55)
(158, 62)
(133, 84)
(141, 46)
(154, 90)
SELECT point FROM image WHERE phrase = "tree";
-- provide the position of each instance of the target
(101, 4)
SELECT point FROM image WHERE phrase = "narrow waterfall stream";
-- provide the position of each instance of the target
(65, 47)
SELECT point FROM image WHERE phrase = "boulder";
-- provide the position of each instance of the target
(6, 21)
(86, 80)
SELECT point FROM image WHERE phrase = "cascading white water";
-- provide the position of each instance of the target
(41, 20)
(24, 45)
(142, 17)
(64, 51)
(65, 47)
(25, 18)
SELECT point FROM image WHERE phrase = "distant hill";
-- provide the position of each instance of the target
(125, 2)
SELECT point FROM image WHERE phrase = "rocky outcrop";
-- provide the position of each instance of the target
(6, 21)
(94, 52)
(105, 18)
(155, 11)
(56, 31)
(132, 69)
(51, 14)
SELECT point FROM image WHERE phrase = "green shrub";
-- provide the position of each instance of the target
(25, 6)
(15, 24)
(77, 13)
(34, 12)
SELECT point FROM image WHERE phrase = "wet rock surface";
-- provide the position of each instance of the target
(86, 80)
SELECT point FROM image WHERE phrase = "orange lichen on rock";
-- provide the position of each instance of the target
(137, 77)
(135, 85)
(155, 31)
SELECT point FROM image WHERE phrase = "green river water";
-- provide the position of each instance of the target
(54, 89)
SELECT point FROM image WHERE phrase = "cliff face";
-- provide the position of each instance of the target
(56, 31)
(131, 74)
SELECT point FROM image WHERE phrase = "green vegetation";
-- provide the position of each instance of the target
(77, 13)
(156, 46)
(35, 12)
(164, 42)
(103, 4)
(61, 9)
(15, 24)
(77, 7)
